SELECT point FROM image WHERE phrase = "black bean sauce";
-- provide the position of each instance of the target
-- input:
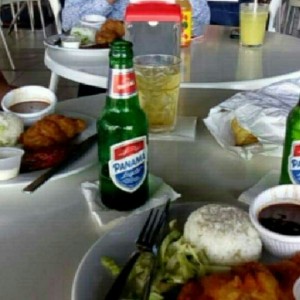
(283, 218)
(29, 106)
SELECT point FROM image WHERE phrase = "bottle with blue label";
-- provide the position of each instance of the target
(290, 166)
(122, 136)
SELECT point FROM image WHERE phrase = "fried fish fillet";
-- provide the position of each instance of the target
(286, 272)
(51, 130)
(250, 281)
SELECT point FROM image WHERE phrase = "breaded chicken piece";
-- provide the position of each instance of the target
(51, 130)
(250, 281)
(109, 31)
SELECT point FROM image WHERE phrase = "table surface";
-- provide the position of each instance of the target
(213, 61)
(44, 235)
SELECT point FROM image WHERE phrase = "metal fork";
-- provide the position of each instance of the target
(146, 242)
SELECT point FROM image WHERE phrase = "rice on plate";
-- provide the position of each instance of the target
(225, 233)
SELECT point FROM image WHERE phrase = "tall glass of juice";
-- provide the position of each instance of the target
(158, 81)
(253, 20)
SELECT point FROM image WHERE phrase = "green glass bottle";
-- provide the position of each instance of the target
(290, 166)
(122, 136)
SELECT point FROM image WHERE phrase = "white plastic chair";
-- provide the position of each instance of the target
(292, 6)
(6, 47)
(20, 5)
(275, 15)
(56, 9)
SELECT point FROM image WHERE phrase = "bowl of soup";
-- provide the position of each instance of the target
(30, 103)
(275, 213)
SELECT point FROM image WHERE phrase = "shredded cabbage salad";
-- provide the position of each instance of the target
(178, 261)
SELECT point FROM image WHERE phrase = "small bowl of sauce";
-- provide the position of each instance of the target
(30, 103)
(282, 218)
(275, 213)
(29, 107)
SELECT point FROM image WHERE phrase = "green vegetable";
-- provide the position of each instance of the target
(110, 265)
(178, 261)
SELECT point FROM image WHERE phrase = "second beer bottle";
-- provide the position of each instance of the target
(122, 136)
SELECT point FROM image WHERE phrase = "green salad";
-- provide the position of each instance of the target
(177, 262)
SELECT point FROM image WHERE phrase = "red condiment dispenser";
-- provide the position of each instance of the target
(154, 27)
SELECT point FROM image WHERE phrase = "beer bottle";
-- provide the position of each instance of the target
(186, 24)
(290, 165)
(122, 135)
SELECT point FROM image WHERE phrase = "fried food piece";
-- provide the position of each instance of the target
(114, 25)
(51, 130)
(241, 135)
(43, 158)
(286, 272)
(109, 31)
(249, 281)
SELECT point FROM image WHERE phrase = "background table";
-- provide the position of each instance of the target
(44, 236)
(214, 61)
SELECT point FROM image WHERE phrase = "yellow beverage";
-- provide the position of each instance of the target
(253, 24)
(158, 89)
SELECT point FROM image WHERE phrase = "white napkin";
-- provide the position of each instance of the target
(185, 130)
(263, 112)
(104, 217)
(269, 180)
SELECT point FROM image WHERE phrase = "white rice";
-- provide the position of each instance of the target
(11, 127)
(225, 233)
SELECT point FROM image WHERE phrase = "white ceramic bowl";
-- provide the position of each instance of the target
(28, 95)
(10, 161)
(278, 244)
(94, 21)
(296, 289)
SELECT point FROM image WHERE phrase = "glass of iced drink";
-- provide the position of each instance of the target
(158, 80)
(253, 20)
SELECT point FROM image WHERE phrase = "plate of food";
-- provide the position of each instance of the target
(48, 141)
(85, 40)
(210, 250)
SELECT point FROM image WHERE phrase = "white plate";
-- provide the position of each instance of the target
(51, 42)
(85, 161)
(91, 281)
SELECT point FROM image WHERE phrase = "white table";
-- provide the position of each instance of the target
(44, 236)
(214, 61)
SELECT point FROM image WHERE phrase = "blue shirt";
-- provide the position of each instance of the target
(74, 9)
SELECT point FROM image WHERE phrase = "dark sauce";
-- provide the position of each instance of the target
(28, 107)
(283, 218)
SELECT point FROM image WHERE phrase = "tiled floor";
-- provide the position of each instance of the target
(27, 50)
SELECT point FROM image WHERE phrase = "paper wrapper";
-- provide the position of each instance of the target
(263, 112)
(106, 218)
(271, 179)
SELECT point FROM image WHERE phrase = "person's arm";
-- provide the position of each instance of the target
(74, 9)
(201, 15)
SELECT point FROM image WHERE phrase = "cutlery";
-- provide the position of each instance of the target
(147, 241)
(77, 150)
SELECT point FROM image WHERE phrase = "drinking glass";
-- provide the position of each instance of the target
(253, 20)
(158, 80)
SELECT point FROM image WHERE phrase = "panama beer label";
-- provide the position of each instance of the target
(294, 163)
(122, 84)
(128, 163)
